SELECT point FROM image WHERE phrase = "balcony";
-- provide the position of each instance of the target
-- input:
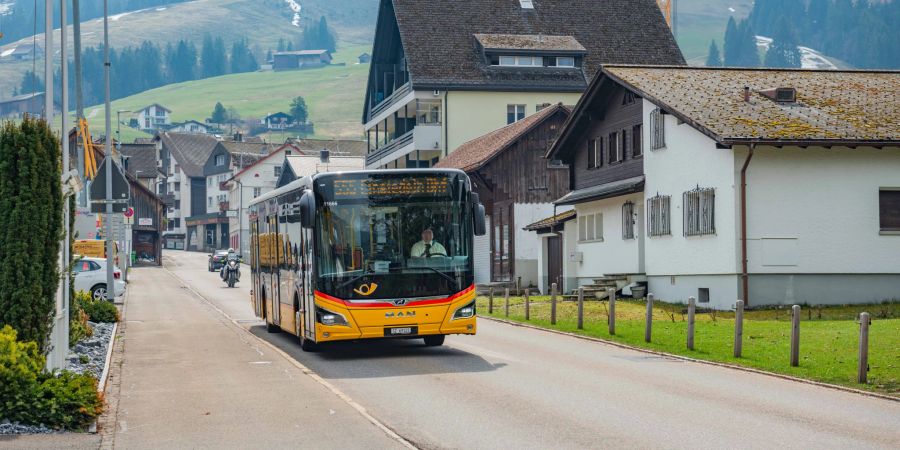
(391, 99)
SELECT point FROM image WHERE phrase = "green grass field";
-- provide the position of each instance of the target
(333, 94)
(828, 336)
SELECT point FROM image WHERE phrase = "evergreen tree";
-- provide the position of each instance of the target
(713, 59)
(242, 59)
(783, 51)
(268, 56)
(748, 53)
(281, 45)
(731, 47)
(289, 46)
(219, 114)
(299, 111)
(26, 86)
(31, 224)
(325, 37)
(221, 58)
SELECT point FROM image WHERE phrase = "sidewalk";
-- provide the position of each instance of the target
(191, 378)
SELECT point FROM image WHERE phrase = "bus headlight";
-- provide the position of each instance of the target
(326, 317)
(465, 312)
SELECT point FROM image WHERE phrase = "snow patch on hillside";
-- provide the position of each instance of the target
(5, 7)
(295, 7)
(809, 58)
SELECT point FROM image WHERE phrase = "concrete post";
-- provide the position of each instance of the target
(491, 301)
(863, 366)
(795, 335)
(692, 307)
(581, 308)
(648, 329)
(506, 302)
(527, 306)
(738, 328)
(553, 304)
(612, 311)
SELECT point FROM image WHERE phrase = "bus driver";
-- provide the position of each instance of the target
(427, 247)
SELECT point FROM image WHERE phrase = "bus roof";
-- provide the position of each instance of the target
(307, 180)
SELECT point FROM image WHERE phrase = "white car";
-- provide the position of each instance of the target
(90, 276)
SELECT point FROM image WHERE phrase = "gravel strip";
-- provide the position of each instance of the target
(91, 350)
(7, 427)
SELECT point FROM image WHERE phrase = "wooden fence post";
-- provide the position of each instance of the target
(553, 304)
(795, 335)
(580, 307)
(692, 307)
(612, 311)
(527, 306)
(648, 329)
(738, 328)
(491, 301)
(863, 366)
(506, 302)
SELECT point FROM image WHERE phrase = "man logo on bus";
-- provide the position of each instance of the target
(399, 302)
(366, 289)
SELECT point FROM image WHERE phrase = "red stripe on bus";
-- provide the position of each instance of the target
(436, 301)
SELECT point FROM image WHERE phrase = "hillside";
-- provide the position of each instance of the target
(263, 22)
(334, 96)
(700, 21)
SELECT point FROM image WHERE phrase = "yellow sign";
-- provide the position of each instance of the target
(366, 289)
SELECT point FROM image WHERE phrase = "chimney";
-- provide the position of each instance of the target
(324, 156)
(747, 94)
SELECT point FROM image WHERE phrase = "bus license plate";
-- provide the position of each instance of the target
(402, 331)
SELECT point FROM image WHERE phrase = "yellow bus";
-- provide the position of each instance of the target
(370, 254)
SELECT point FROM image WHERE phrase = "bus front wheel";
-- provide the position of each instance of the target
(436, 340)
(272, 328)
(308, 345)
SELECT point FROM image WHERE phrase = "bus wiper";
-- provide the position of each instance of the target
(356, 278)
(448, 277)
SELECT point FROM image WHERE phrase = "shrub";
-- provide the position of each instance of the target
(29, 395)
(97, 311)
(78, 326)
(31, 220)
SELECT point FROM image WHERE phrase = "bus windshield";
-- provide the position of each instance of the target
(383, 236)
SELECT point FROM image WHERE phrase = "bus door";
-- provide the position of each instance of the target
(254, 266)
(274, 269)
(307, 298)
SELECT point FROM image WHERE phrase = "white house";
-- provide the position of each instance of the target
(153, 117)
(189, 126)
(772, 186)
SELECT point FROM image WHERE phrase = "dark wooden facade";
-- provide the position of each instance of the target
(519, 175)
(146, 233)
(611, 109)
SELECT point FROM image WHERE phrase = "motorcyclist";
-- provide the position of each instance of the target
(232, 256)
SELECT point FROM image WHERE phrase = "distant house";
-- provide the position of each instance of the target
(22, 104)
(153, 117)
(336, 147)
(190, 126)
(517, 187)
(300, 59)
(26, 52)
(775, 187)
(297, 166)
(365, 58)
(141, 162)
(278, 121)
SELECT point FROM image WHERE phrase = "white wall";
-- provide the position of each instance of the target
(688, 160)
(260, 175)
(527, 251)
(612, 255)
(815, 210)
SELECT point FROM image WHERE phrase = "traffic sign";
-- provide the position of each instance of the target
(129, 212)
(121, 192)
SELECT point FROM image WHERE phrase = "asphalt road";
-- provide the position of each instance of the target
(513, 387)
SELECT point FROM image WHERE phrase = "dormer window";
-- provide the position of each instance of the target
(526, 4)
(565, 61)
(531, 50)
(521, 61)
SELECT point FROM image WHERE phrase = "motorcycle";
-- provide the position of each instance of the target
(231, 273)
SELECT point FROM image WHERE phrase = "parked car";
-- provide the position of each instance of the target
(217, 260)
(90, 276)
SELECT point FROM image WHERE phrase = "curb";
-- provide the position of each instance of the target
(305, 370)
(695, 360)
(104, 376)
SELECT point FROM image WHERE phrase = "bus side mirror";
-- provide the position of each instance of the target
(480, 228)
(307, 209)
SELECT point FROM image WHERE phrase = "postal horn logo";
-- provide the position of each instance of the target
(366, 289)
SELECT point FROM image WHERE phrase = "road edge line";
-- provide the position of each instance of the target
(695, 360)
(306, 370)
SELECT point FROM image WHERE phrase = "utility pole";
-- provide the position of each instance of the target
(110, 248)
(79, 102)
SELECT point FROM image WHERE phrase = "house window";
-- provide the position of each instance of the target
(177, 222)
(699, 212)
(220, 160)
(525, 61)
(889, 210)
(277, 171)
(209, 182)
(526, 4)
(590, 227)
(507, 60)
(637, 148)
(209, 202)
(565, 61)
(658, 223)
(177, 204)
(628, 99)
(257, 192)
(592, 153)
(657, 129)
(514, 113)
(616, 149)
(628, 220)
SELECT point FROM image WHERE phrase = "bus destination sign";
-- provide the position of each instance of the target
(388, 186)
